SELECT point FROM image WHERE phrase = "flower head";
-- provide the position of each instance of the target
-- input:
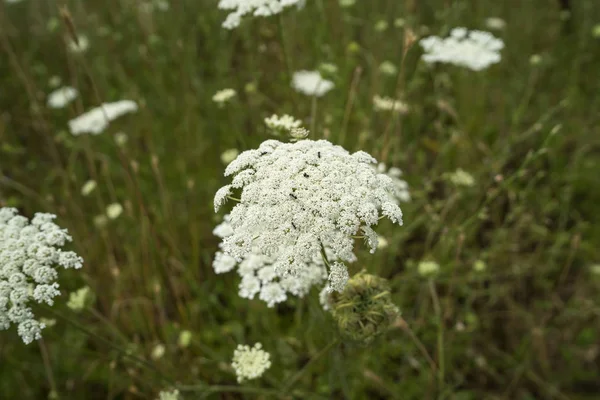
(250, 362)
(257, 8)
(61, 97)
(311, 83)
(283, 124)
(389, 104)
(169, 395)
(301, 200)
(79, 46)
(475, 50)
(29, 254)
(223, 96)
(97, 119)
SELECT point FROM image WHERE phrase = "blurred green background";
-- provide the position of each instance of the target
(524, 324)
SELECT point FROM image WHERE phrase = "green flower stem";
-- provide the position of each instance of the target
(440, 333)
(296, 377)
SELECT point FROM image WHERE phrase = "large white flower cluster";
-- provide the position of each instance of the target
(250, 362)
(299, 199)
(29, 253)
(257, 8)
(311, 83)
(475, 50)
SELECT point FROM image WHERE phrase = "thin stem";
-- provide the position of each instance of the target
(440, 333)
(48, 367)
(234, 199)
(313, 116)
(120, 350)
(324, 255)
(296, 377)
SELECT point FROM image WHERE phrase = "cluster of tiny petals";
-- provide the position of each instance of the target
(259, 276)
(257, 8)
(29, 253)
(250, 362)
(311, 83)
(299, 198)
(285, 123)
(476, 50)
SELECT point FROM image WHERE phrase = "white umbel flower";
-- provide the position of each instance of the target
(97, 119)
(400, 185)
(250, 362)
(61, 97)
(283, 124)
(388, 104)
(29, 254)
(257, 8)
(79, 46)
(476, 50)
(311, 83)
(298, 199)
(223, 96)
(169, 395)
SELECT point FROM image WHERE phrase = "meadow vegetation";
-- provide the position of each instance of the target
(502, 167)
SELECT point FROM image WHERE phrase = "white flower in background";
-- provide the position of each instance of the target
(347, 3)
(388, 68)
(461, 178)
(169, 395)
(97, 119)
(80, 298)
(54, 81)
(475, 50)
(61, 97)
(185, 338)
(88, 187)
(428, 268)
(479, 266)
(324, 299)
(229, 155)
(257, 8)
(121, 139)
(158, 351)
(298, 199)
(114, 210)
(223, 96)
(382, 242)
(535, 59)
(12, 1)
(495, 23)
(81, 46)
(283, 124)
(250, 362)
(29, 255)
(311, 83)
(400, 186)
(389, 104)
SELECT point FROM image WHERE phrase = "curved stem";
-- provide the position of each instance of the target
(296, 377)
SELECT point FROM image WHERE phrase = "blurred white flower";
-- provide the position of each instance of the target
(114, 210)
(100, 221)
(400, 186)
(121, 139)
(382, 242)
(388, 68)
(479, 266)
(347, 3)
(476, 50)
(61, 97)
(250, 362)
(257, 8)
(79, 299)
(428, 268)
(389, 104)
(223, 96)
(158, 351)
(495, 23)
(185, 337)
(229, 155)
(461, 178)
(54, 81)
(81, 46)
(169, 395)
(97, 119)
(311, 83)
(283, 124)
(29, 255)
(535, 59)
(88, 187)
(300, 199)
(12, 1)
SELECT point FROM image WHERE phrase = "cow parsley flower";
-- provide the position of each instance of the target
(475, 50)
(79, 46)
(169, 395)
(250, 362)
(400, 186)
(311, 83)
(223, 96)
(61, 97)
(97, 119)
(29, 254)
(257, 8)
(495, 23)
(283, 124)
(299, 200)
(389, 104)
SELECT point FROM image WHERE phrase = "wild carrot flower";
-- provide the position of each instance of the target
(97, 119)
(169, 395)
(389, 104)
(29, 254)
(475, 50)
(61, 97)
(79, 46)
(257, 8)
(283, 124)
(311, 83)
(223, 96)
(299, 199)
(428, 268)
(495, 23)
(250, 362)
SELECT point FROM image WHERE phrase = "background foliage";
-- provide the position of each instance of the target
(526, 327)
